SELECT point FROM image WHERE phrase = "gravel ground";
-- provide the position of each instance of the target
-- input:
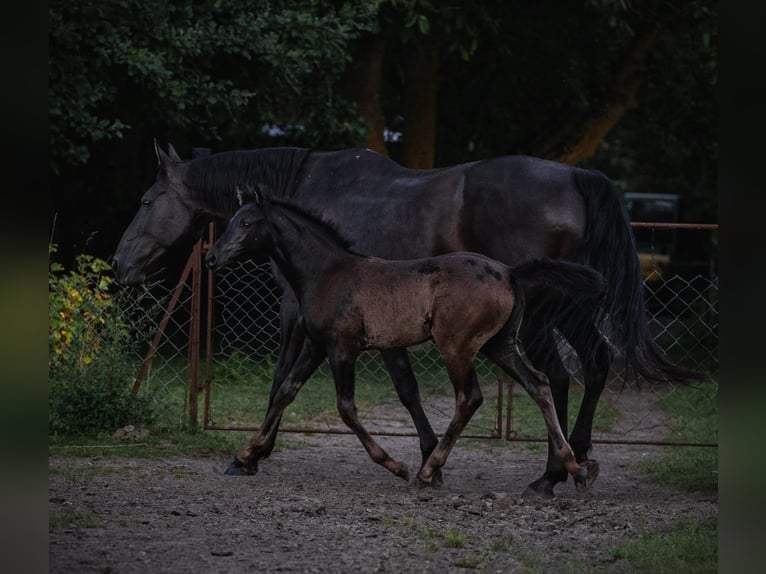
(325, 507)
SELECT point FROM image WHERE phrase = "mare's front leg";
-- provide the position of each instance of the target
(398, 365)
(343, 367)
(262, 442)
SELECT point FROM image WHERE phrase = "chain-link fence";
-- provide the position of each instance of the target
(220, 337)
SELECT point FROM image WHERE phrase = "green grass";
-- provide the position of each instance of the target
(527, 420)
(436, 538)
(695, 415)
(688, 546)
(159, 443)
(72, 517)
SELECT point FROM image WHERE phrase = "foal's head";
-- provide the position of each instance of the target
(247, 233)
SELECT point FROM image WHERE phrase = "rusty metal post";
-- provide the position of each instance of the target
(499, 415)
(161, 329)
(194, 334)
(509, 411)
(209, 330)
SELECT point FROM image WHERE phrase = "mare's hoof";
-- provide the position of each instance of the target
(238, 468)
(533, 491)
(539, 489)
(587, 476)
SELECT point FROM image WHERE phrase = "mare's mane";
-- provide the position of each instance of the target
(272, 169)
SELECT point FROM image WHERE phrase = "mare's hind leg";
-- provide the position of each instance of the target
(398, 365)
(343, 373)
(468, 398)
(262, 442)
(595, 358)
(503, 351)
(544, 355)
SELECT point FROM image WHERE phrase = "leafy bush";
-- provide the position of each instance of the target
(89, 348)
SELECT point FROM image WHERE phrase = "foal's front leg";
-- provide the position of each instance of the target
(343, 367)
(262, 442)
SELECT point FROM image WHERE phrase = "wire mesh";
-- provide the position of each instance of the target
(682, 311)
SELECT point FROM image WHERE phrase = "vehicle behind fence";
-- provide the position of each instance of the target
(210, 346)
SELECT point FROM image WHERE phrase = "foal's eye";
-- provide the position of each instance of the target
(146, 201)
(245, 224)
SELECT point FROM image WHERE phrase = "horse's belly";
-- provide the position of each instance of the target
(396, 323)
(387, 338)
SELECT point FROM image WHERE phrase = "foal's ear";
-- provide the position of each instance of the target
(252, 194)
(257, 196)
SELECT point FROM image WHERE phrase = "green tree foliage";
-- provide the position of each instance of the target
(205, 68)
(512, 77)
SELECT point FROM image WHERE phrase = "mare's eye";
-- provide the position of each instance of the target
(245, 224)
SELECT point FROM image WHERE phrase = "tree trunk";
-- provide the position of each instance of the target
(361, 85)
(581, 141)
(420, 90)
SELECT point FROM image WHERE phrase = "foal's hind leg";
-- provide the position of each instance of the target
(343, 372)
(398, 365)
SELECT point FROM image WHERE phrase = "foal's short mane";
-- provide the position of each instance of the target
(273, 169)
(315, 222)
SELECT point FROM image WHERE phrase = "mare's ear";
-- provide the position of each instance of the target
(163, 160)
(240, 196)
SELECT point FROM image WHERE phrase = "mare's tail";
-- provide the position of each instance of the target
(609, 248)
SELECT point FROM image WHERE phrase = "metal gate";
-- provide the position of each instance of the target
(232, 336)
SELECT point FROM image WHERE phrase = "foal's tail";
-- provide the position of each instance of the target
(580, 284)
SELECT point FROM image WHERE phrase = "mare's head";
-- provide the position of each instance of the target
(248, 232)
(167, 218)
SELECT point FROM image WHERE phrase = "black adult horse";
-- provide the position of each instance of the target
(511, 209)
(464, 302)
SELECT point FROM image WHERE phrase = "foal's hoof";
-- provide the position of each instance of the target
(417, 484)
(437, 480)
(402, 471)
(239, 468)
(587, 475)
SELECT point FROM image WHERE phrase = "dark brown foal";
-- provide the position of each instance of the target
(464, 302)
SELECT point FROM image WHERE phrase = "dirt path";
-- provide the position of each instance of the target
(327, 508)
